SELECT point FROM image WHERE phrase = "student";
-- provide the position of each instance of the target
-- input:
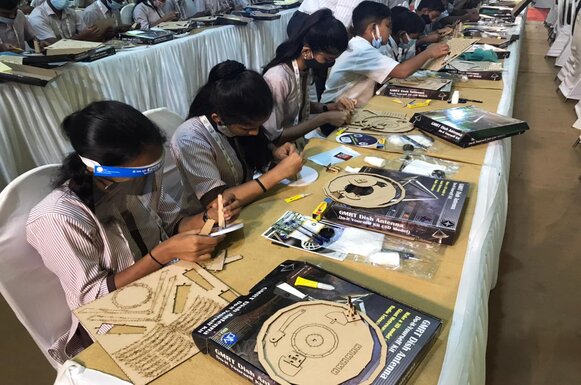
(342, 11)
(357, 71)
(406, 29)
(149, 13)
(104, 10)
(222, 144)
(431, 11)
(107, 222)
(317, 44)
(15, 30)
(53, 20)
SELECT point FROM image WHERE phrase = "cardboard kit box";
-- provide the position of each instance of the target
(230, 337)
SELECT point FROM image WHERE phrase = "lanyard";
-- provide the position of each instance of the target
(302, 95)
(219, 140)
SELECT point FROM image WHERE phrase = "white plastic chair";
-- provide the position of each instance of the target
(577, 124)
(570, 74)
(563, 27)
(168, 121)
(33, 292)
(127, 14)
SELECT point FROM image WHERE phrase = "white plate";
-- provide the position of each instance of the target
(227, 229)
(307, 175)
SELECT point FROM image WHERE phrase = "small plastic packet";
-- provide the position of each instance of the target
(420, 164)
(417, 139)
(419, 259)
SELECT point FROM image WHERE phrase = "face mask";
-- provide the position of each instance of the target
(377, 39)
(113, 5)
(226, 131)
(427, 19)
(60, 4)
(410, 42)
(6, 20)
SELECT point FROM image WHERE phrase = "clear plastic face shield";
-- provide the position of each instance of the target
(128, 199)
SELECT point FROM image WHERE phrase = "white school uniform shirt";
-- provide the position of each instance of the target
(47, 25)
(289, 97)
(18, 33)
(356, 72)
(391, 50)
(342, 9)
(146, 14)
(99, 11)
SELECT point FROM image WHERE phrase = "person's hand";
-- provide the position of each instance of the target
(445, 31)
(471, 15)
(93, 33)
(188, 246)
(170, 16)
(283, 151)
(337, 118)
(289, 166)
(346, 104)
(6, 47)
(231, 205)
(431, 38)
(109, 33)
(437, 50)
(123, 28)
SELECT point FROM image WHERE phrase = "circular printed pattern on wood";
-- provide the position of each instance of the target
(365, 190)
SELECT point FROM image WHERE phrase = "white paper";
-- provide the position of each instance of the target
(334, 156)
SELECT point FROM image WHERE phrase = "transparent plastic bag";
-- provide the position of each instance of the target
(420, 164)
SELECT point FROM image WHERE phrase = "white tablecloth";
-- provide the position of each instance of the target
(164, 75)
(465, 360)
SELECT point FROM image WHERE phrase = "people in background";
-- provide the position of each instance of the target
(108, 222)
(102, 10)
(149, 13)
(430, 11)
(362, 66)
(222, 145)
(53, 20)
(406, 27)
(15, 30)
(321, 39)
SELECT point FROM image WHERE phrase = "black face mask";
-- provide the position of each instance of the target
(315, 65)
(427, 19)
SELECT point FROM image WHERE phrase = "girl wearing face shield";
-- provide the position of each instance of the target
(149, 13)
(320, 40)
(223, 144)
(108, 223)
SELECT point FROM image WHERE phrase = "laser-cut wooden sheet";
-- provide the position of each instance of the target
(457, 48)
(366, 120)
(146, 326)
(323, 343)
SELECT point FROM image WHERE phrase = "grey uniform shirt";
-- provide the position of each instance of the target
(18, 33)
(98, 11)
(84, 253)
(47, 25)
(288, 99)
(203, 165)
(145, 15)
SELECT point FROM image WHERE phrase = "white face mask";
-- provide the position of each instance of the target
(226, 131)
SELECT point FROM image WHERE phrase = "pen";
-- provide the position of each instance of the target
(380, 90)
(314, 284)
(297, 197)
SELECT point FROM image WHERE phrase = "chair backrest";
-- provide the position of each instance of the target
(33, 292)
(127, 14)
(168, 121)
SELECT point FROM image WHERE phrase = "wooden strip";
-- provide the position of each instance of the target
(221, 222)
(207, 229)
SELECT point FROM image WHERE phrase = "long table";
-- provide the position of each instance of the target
(163, 75)
(458, 293)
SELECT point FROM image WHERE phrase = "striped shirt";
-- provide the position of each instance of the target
(146, 14)
(18, 33)
(47, 25)
(85, 253)
(99, 11)
(208, 164)
(288, 99)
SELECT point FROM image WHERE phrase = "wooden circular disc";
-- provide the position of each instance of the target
(365, 190)
(316, 342)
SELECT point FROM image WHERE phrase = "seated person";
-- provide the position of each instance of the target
(362, 66)
(452, 15)
(222, 144)
(25, 7)
(318, 43)
(149, 13)
(406, 28)
(15, 30)
(105, 10)
(53, 20)
(108, 222)
(430, 11)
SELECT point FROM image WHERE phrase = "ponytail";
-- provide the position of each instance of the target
(320, 31)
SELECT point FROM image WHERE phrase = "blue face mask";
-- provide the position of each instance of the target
(113, 5)
(6, 20)
(377, 40)
(60, 4)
